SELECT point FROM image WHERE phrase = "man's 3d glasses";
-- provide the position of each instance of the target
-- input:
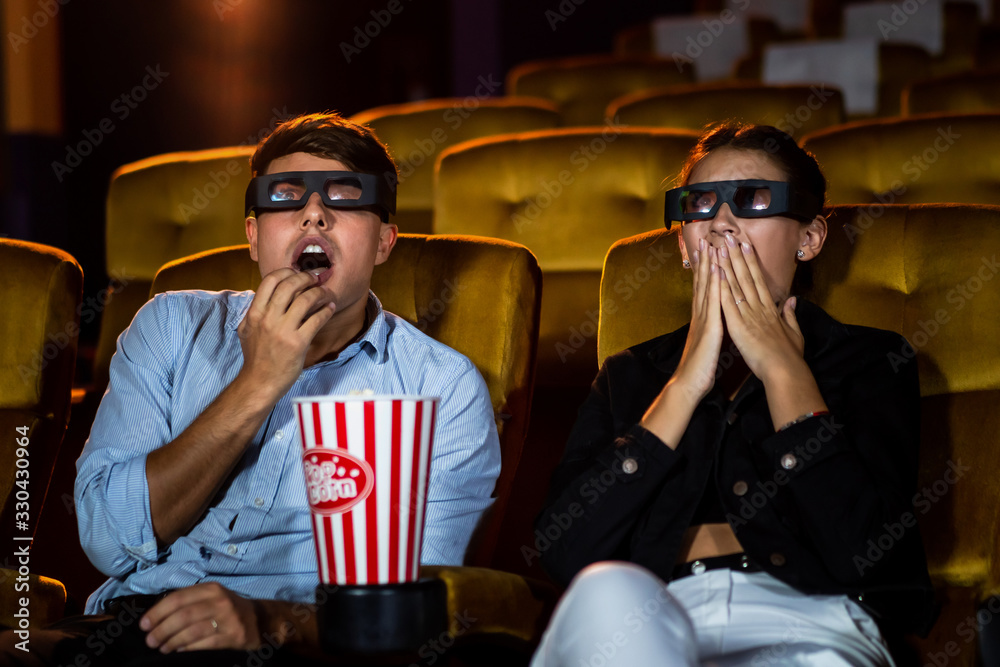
(337, 189)
(746, 199)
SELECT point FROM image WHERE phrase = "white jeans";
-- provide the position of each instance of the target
(622, 614)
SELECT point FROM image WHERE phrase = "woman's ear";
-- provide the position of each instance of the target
(813, 237)
(683, 247)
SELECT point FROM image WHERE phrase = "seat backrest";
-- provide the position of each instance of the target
(41, 291)
(417, 132)
(568, 195)
(797, 110)
(929, 272)
(478, 296)
(921, 159)
(583, 86)
(966, 92)
(162, 208)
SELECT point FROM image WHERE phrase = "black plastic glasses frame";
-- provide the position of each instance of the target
(785, 201)
(374, 191)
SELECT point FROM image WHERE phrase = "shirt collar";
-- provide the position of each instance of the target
(373, 340)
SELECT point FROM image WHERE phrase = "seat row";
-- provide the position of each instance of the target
(927, 271)
(567, 194)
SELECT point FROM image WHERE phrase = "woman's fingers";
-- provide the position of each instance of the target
(748, 257)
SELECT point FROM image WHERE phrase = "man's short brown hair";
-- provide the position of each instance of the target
(327, 135)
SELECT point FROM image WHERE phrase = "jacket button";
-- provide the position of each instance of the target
(740, 488)
(731, 418)
(629, 466)
(777, 559)
(788, 461)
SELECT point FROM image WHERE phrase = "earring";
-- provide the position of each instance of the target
(686, 264)
(800, 254)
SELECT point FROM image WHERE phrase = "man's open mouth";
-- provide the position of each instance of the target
(313, 260)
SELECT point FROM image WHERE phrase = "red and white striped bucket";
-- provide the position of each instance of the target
(366, 461)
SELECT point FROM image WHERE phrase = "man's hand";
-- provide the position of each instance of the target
(287, 312)
(204, 616)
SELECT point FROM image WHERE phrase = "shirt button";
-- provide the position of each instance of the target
(629, 466)
(731, 419)
(788, 461)
(697, 567)
(259, 502)
(740, 488)
(777, 559)
(232, 550)
(278, 435)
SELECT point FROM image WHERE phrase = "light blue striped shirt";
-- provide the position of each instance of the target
(179, 353)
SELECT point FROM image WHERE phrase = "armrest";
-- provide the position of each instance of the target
(47, 599)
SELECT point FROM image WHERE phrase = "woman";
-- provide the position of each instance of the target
(757, 490)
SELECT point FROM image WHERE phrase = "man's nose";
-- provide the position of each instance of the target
(314, 212)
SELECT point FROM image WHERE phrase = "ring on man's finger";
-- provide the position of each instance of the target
(215, 624)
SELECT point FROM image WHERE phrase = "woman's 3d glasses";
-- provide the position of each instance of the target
(746, 199)
(337, 189)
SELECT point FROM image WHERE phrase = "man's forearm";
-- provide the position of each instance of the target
(184, 475)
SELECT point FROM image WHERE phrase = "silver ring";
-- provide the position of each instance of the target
(215, 625)
(740, 301)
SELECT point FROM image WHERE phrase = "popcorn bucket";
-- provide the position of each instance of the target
(366, 461)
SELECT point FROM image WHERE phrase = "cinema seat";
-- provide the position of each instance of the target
(920, 159)
(417, 132)
(582, 87)
(797, 110)
(975, 91)
(929, 272)
(41, 289)
(481, 297)
(159, 209)
(568, 195)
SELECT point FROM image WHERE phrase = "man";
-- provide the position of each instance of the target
(191, 479)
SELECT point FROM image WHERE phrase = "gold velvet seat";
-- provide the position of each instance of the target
(796, 110)
(920, 159)
(159, 209)
(929, 272)
(481, 297)
(41, 289)
(566, 194)
(417, 132)
(583, 86)
(974, 91)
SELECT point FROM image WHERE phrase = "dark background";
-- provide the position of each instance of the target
(233, 65)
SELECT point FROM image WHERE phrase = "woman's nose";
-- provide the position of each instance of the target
(724, 221)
